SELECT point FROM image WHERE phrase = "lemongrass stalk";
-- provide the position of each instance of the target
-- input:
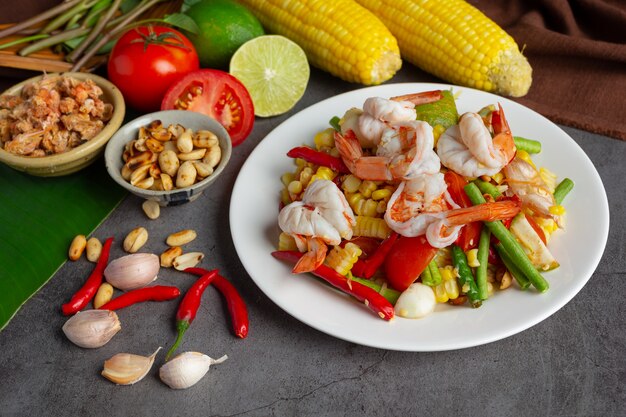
(39, 18)
(97, 29)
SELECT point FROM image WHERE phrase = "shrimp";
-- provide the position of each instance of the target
(423, 206)
(369, 124)
(468, 148)
(322, 217)
(24, 143)
(404, 151)
(524, 180)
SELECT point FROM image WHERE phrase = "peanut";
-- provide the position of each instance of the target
(152, 209)
(186, 175)
(187, 260)
(167, 257)
(94, 247)
(135, 239)
(77, 247)
(104, 295)
(181, 238)
(184, 143)
(168, 162)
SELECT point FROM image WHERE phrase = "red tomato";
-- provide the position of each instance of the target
(470, 233)
(146, 61)
(408, 258)
(217, 94)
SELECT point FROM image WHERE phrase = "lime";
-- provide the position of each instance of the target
(274, 70)
(224, 25)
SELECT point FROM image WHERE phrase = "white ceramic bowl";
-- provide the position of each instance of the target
(188, 119)
(81, 156)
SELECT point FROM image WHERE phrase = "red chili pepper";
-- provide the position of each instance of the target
(236, 306)
(188, 307)
(319, 158)
(367, 268)
(82, 297)
(371, 298)
(154, 293)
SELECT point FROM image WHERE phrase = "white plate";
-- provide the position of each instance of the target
(253, 222)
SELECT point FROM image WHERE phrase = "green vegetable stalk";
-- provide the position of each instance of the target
(466, 278)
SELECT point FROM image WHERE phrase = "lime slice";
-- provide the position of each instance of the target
(274, 70)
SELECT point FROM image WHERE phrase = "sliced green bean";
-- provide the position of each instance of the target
(562, 190)
(434, 272)
(513, 248)
(483, 258)
(23, 40)
(466, 278)
(528, 145)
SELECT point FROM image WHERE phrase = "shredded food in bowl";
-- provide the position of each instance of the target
(52, 115)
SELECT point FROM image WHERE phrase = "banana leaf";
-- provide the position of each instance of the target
(39, 217)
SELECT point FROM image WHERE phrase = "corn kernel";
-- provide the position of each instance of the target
(497, 178)
(324, 139)
(286, 178)
(472, 258)
(295, 187)
(447, 274)
(521, 154)
(351, 184)
(557, 210)
(380, 194)
(367, 188)
(286, 242)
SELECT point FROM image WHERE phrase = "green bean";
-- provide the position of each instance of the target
(488, 188)
(519, 276)
(483, 259)
(513, 248)
(431, 276)
(528, 145)
(562, 190)
(389, 293)
(466, 278)
(334, 122)
(39, 18)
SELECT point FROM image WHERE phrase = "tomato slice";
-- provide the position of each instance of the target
(408, 258)
(217, 94)
(470, 233)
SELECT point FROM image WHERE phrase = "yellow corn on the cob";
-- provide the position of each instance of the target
(338, 36)
(369, 226)
(286, 242)
(342, 259)
(455, 41)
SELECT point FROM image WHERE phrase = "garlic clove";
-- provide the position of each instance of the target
(417, 301)
(92, 328)
(187, 369)
(126, 368)
(132, 271)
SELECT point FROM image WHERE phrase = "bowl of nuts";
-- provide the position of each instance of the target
(169, 156)
(57, 124)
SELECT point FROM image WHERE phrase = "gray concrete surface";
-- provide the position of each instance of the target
(572, 364)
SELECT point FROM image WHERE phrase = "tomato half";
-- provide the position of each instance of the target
(217, 94)
(470, 233)
(146, 61)
(408, 258)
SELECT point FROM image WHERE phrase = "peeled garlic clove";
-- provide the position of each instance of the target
(126, 368)
(416, 301)
(92, 328)
(132, 271)
(187, 369)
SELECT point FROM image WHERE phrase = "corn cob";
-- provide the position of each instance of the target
(456, 42)
(338, 36)
(369, 226)
(342, 259)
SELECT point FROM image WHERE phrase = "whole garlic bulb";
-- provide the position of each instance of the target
(187, 369)
(132, 271)
(92, 328)
(126, 368)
